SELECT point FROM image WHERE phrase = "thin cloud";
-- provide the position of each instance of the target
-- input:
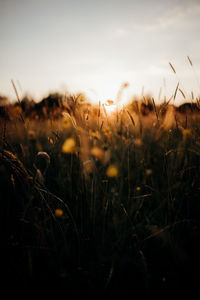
(121, 32)
(175, 17)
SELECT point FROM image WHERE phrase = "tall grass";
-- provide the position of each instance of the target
(117, 207)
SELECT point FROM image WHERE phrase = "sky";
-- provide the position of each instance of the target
(94, 46)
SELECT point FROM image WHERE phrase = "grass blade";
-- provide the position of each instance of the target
(182, 93)
(172, 68)
(176, 91)
(189, 61)
(132, 120)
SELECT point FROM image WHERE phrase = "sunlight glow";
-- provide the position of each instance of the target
(111, 96)
(110, 107)
(103, 94)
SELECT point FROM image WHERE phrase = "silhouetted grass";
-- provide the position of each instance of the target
(102, 202)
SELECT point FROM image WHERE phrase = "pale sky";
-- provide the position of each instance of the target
(95, 46)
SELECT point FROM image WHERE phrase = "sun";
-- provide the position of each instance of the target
(111, 96)
(102, 94)
(110, 106)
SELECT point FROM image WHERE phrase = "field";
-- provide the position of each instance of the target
(100, 202)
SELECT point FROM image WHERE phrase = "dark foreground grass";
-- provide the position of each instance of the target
(67, 221)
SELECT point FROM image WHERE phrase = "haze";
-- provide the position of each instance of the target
(95, 46)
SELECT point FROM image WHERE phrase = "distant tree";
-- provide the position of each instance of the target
(3, 100)
(188, 108)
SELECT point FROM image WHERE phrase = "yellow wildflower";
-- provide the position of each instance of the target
(186, 133)
(50, 140)
(148, 172)
(112, 171)
(58, 212)
(69, 145)
(97, 152)
(138, 142)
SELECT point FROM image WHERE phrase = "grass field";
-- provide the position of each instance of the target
(100, 201)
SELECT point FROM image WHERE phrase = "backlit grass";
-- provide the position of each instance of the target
(102, 201)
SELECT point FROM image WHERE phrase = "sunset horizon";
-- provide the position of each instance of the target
(93, 47)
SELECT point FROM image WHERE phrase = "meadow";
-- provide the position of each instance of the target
(100, 201)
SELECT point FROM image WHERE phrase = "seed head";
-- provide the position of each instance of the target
(42, 161)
